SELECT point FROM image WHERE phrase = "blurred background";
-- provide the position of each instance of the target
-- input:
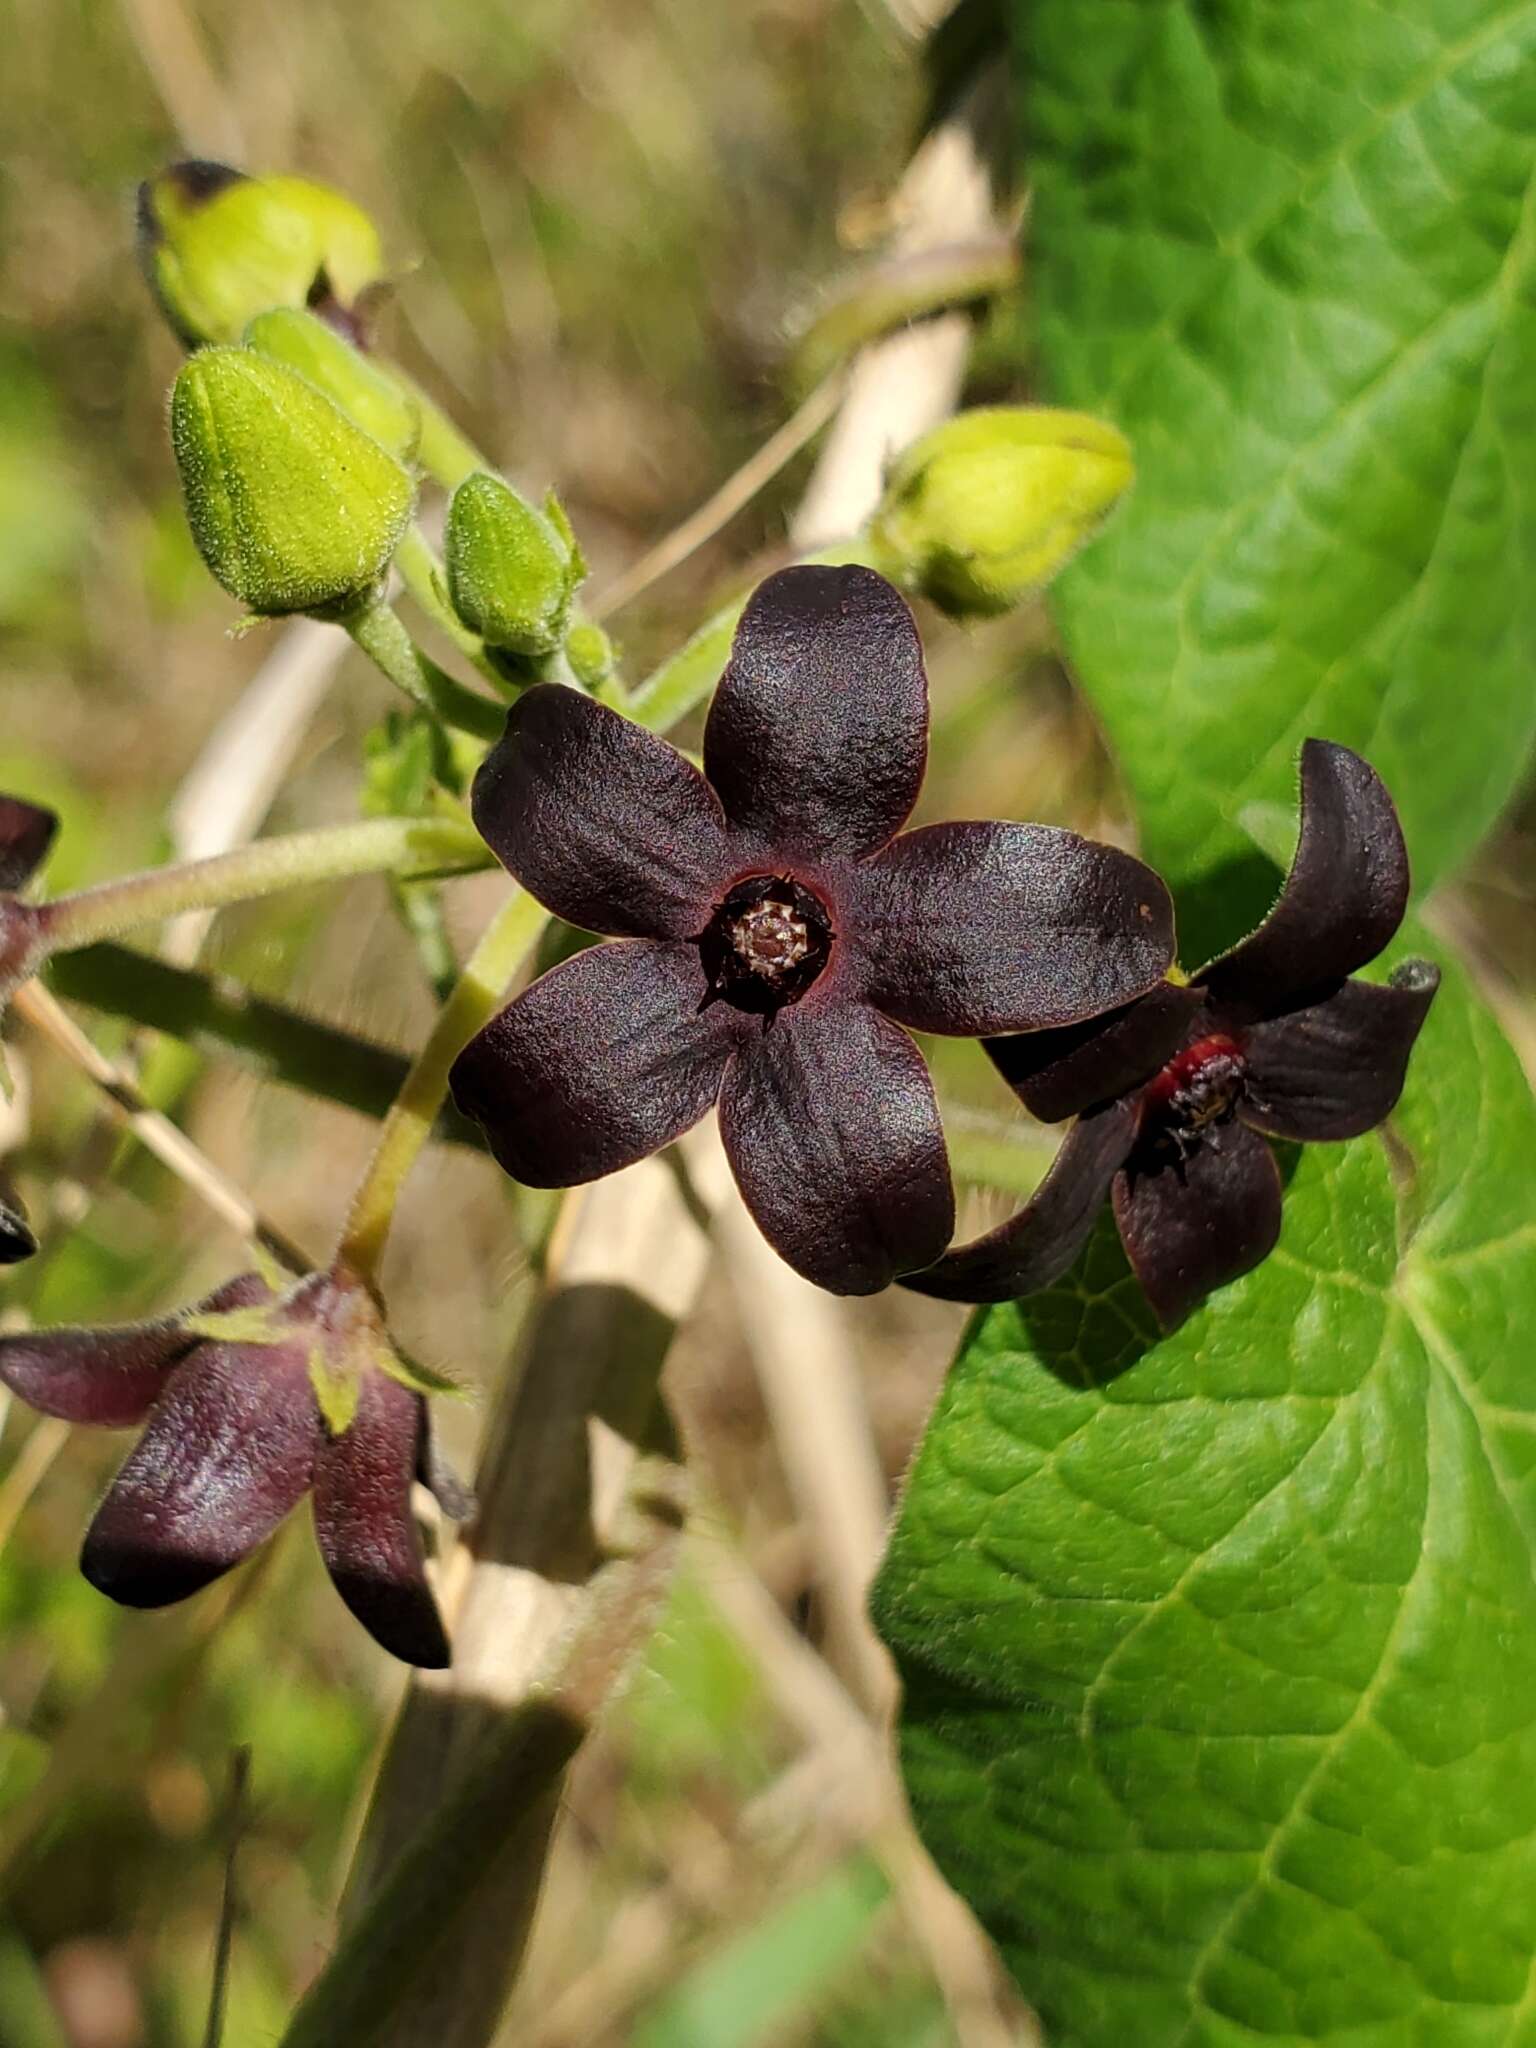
(611, 219)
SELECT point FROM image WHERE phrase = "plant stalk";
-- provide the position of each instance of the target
(379, 633)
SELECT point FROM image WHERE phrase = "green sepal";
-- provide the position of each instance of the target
(591, 655)
(512, 570)
(336, 1393)
(239, 1325)
(421, 1379)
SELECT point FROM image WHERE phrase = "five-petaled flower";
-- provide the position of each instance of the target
(1173, 1092)
(775, 935)
(251, 1399)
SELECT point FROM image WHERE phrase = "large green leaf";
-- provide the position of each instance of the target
(1290, 247)
(1220, 1650)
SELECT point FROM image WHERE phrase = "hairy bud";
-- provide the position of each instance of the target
(990, 505)
(512, 570)
(292, 506)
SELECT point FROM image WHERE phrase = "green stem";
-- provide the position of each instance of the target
(443, 452)
(395, 845)
(422, 574)
(504, 945)
(390, 647)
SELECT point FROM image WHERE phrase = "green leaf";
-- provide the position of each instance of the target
(1291, 252)
(1220, 1649)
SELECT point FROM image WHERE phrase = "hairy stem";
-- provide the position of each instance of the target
(505, 944)
(422, 574)
(389, 845)
(381, 636)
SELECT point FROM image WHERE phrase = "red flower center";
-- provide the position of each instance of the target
(1198, 1089)
(766, 944)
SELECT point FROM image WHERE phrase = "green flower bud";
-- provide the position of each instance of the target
(292, 507)
(590, 653)
(986, 508)
(512, 570)
(219, 247)
(369, 397)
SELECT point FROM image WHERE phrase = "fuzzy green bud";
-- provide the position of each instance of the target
(368, 396)
(512, 570)
(219, 247)
(590, 653)
(986, 508)
(292, 507)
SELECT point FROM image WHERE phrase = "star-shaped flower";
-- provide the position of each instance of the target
(251, 1399)
(774, 935)
(1175, 1094)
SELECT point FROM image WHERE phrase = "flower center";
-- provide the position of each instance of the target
(765, 944)
(1197, 1090)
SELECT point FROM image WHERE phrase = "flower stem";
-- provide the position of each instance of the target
(422, 574)
(444, 453)
(394, 845)
(382, 637)
(505, 944)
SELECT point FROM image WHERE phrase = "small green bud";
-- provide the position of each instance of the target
(987, 507)
(369, 397)
(512, 570)
(292, 507)
(219, 247)
(590, 653)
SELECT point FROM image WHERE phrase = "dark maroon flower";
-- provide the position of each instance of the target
(1175, 1093)
(250, 1400)
(776, 936)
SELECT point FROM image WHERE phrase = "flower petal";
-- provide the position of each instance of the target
(229, 1450)
(605, 1059)
(366, 1530)
(830, 1124)
(984, 928)
(1337, 1068)
(1034, 1248)
(1191, 1228)
(1057, 1073)
(26, 833)
(607, 825)
(113, 1375)
(1343, 899)
(818, 736)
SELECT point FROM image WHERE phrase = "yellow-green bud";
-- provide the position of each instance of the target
(219, 247)
(590, 654)
(369, 396)
(987, 507)
(512, 570)
(292, 507)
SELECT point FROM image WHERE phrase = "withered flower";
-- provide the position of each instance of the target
(774, 935)
(251, 1399)
(1175, 1093)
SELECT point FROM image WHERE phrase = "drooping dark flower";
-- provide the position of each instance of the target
(251, 1399)
(774, 935)
(1176, 1093)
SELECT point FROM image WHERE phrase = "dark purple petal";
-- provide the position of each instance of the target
(1342, 901)
(1193, 1227)
(604, 1060)
(230, 1448)
(1034, 1248)
(1057, 1073)
(831, 1128)
(26, 833)
(983, 927)
(818, 736)
(607, 825)
(1336, 1068)
(365, 1528)
(112, 1375)
(108, 1376)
